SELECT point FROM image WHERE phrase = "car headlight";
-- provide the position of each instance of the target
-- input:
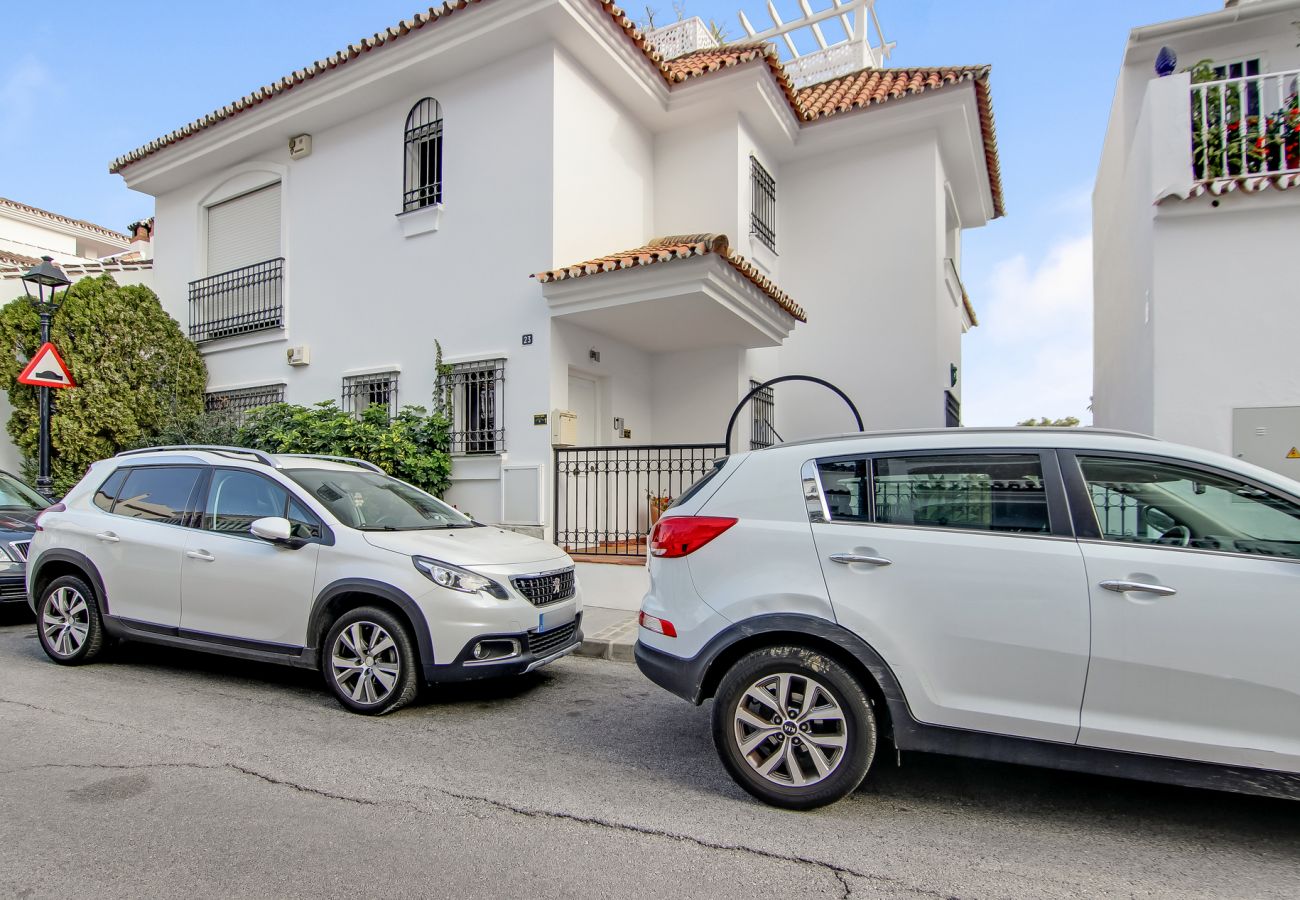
(458, 579)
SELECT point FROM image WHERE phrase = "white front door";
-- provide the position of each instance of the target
(955, 569)
(1195, 581)
(236, 585)
(583, 400)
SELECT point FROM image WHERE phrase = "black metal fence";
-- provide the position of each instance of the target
(238, 301)
(608, 498)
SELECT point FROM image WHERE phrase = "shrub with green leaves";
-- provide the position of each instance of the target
(135, 371)
(411, 446)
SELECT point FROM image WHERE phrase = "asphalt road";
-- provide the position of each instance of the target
(157, 773)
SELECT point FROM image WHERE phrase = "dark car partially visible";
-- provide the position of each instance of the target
(19, 506)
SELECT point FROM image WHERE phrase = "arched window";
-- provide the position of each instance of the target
(423, 185)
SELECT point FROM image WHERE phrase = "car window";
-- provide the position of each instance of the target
(237, 499)
(159, 493)
(846, 486)
(372, 501)
(981, 492)
(304, 523)
(108, 491)
(1144, 502)
(16, 495)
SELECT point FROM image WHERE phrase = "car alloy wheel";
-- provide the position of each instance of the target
(790, 729)
(366, 663)
(66, 621)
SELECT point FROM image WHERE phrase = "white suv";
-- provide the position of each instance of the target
(1084, 600)
(309, 561)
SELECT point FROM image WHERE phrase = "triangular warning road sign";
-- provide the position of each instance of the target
(1294, 454)
(47, 369)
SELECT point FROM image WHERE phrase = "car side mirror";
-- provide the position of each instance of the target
(275, 530)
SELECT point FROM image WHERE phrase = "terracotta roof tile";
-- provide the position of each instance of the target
(855, 91)
(1250, 184)
(64, 220)
(8, 259)
(681, 246)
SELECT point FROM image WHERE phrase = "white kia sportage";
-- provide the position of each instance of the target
(1070, 598)
(309, 561)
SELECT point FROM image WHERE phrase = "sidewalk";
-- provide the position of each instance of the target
(608, 633)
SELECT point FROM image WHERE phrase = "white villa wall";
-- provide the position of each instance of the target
(869, 283)
(695, 391)
(622, 377)
(364, 297)
(604, 164)
(1227, 333)
(30, 239)
(1182, 290)
(694, 187)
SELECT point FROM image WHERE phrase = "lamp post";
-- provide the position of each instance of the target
(47, 279)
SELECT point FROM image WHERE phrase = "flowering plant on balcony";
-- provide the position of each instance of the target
(1230, 136)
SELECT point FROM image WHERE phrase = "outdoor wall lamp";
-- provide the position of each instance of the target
(47, 279)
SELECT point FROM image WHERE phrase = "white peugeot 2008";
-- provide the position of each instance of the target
(1070, 598)
(315, 562)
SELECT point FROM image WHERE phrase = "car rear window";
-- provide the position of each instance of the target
(700, 483)
(163, 494)
(107, 493)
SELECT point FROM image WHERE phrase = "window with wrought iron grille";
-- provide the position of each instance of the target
(474, 392)
(240, 402)
(951, 410)
(360, 392)
(762, 430)
(762, 209)
(423, 184)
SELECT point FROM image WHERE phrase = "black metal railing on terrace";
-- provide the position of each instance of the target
(238, 301)
(608, 498)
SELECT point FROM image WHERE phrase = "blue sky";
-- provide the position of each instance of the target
(114, 76)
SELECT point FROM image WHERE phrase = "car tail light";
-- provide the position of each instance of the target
(58, 507)
(657, 625)
(682, 535)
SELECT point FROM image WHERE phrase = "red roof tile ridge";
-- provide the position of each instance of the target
(680, 246)
(66, 220)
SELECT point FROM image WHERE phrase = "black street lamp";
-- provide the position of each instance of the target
(47, 277)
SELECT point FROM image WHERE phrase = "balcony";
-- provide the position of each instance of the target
(1245, 127)
(237, 302)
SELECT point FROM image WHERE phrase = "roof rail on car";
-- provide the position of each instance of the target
(365, 464)
(259, 455)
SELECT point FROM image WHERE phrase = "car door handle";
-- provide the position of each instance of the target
(200, 554)
(1124, 587)
(847, 559)
(108, 537)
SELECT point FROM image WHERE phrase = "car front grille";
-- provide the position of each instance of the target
(21, 548)
(10, 592)
(551, 587)
(541, 645)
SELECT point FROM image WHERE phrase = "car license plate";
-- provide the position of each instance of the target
(556, 618)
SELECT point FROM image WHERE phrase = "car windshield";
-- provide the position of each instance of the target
(369, 501)
(16, 495)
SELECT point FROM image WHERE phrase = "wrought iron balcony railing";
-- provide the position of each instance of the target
(237, 302)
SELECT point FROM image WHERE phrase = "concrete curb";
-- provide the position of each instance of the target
(614, 642)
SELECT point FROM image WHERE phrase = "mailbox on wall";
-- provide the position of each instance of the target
(564, 428)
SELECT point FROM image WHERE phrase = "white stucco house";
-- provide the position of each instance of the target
(80, 249)
(609, 245)
(1196, 215)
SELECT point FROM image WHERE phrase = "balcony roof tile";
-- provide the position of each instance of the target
(674, 247)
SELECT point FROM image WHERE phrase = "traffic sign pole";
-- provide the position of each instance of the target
(44, 483)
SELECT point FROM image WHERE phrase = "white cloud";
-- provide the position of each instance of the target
(1032, 354)
(24, 86)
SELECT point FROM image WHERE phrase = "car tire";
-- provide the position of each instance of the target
(370, 661)
(793, 727)
(68, 623)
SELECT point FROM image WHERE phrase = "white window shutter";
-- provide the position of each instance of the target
(244, 230)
